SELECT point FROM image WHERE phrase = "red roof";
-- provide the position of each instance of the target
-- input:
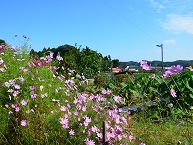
(116, 69)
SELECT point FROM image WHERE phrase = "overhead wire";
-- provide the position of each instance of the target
(136, 26)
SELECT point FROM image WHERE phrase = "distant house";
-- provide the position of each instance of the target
(133, 70)
(115, 70)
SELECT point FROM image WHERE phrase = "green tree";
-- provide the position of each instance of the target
(70, 55)
(106, 63)
(116, 63)
(2, 41)
(33, 53)
(90, 62)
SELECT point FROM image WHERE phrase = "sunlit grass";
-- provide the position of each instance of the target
(167, 133)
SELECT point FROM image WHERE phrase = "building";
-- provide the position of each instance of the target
(115, 70)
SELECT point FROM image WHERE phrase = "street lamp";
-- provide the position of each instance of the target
(161, 54)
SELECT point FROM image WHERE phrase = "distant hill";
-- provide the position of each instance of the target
(157, 63)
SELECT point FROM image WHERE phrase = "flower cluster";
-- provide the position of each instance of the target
(36, 62)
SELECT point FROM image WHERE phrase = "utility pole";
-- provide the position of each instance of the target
(161, 55)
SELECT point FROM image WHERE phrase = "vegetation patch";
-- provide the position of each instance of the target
(45, 102)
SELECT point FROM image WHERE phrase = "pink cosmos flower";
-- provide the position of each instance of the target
(94, 129)
(87, 120)
(2, 70)
(131, 138)
(66, 116)
(17, 109)
(10, 91)
(170, 105)
(145, 65)
(173, 93)
(33, 95)
(24, 102)
(117, 99)
(190, 68)
(103, 92)
(89, 142)
(6, 105)
(12, 82)
(76, 113)
(126, 68)
(51, 54)
(58, 57)
(71, 132)
(143, 62)
(83, 108)
(15, 93)
(1, 47)
(65, 126)
(10, 112)
(21, 79)
(167, 74)
(142, 143)
(23, 123)
(175, 69)
(68, 105)
(33, 88)
(63, 108)
(64, 122)
(13, 105)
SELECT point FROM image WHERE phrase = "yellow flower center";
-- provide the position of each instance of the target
(175, 70)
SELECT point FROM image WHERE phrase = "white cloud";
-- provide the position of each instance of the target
(157, 5)
(170, 41)
(178, 23)
(160, 5)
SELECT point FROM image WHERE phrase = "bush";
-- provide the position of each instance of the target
(122, 78)
(102, 81)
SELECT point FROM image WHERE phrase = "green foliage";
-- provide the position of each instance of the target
(106, 63)
(102, 81)
(122, 78)
(2, 41)
(116, 63)
(183, 84)
(90, 62)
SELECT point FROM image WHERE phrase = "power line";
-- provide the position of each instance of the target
(129, 21)
(136, 26)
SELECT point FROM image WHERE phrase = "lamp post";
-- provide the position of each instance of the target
(161, 54)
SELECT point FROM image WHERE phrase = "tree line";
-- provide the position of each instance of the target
(90, 62)
(82, 60)
(157, 63)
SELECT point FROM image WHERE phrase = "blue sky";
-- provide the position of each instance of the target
(125, 29)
